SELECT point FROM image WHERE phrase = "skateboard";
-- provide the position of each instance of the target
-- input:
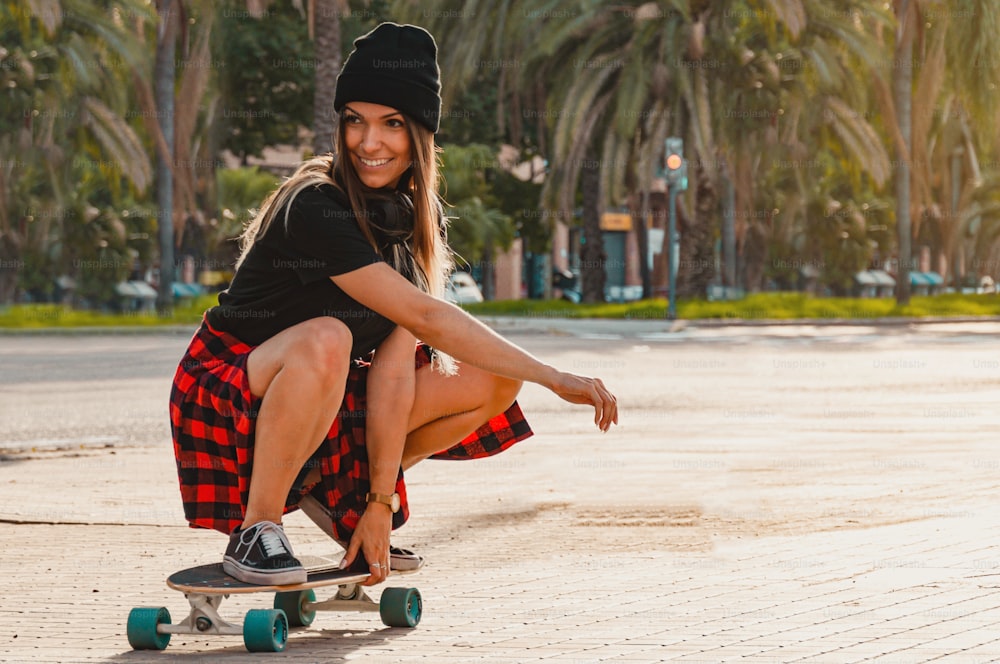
(266, 630)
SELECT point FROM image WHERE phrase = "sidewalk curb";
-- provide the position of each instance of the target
(557, 325)
(92, 330)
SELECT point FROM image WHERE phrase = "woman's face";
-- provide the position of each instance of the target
(378, 142)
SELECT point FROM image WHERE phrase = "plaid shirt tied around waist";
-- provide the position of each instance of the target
(213, 414)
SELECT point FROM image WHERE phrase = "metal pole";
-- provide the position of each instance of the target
(728, 233)
(902, 88)
(672, 256)
(164, 75)
(956, 188)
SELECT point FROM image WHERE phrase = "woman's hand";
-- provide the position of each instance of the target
(371, 537)
(580, 389)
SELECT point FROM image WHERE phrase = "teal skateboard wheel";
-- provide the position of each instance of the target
(400, 607)
(265, 630)
(141, 628)
(293, 604)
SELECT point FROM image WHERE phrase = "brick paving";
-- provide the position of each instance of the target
(817, 501)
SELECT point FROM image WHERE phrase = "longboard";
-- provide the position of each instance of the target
(266, 630)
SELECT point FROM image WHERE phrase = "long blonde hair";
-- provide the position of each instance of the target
(427, 262)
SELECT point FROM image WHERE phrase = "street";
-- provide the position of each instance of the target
(772, 493)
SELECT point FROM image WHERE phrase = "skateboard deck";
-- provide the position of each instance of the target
(321, 571)
(266, 630)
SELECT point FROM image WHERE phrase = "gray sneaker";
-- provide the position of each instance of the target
(404, 560)
(399, 559)
(262, 555)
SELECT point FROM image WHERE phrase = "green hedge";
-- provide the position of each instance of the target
(762, 306)
(33, 316)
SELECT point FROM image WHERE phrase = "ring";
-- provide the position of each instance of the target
(376, 565)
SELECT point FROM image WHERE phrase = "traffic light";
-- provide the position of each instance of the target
(675, 165)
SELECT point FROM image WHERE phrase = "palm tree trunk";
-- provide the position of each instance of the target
(592, 256)
(326, 18)
(10, 247)
(489, 282)
(642, 237)
(696, 266)
(10, 258)
(728, 230)
(903, 93)
(163, 80)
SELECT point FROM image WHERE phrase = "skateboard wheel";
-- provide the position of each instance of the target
(265, 630)
(141, 628)
(293, 604)
(400, 607)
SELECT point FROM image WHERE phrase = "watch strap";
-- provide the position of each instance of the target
(385, 499)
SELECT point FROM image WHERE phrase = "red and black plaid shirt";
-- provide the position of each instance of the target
(212, 416)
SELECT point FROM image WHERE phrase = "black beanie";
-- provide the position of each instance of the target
(394, 65)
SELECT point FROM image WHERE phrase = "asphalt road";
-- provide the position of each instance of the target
(64, 392)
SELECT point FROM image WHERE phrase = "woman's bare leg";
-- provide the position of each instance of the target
(300, 373)
(448, 408)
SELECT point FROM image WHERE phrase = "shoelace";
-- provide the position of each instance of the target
(272, 539)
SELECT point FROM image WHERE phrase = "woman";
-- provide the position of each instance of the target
(271, 404)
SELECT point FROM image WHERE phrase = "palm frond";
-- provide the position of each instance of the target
(791, 13)
(120, 142)
(859, 139)
(49, 12)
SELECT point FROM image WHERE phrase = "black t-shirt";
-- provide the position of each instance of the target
(285, 278)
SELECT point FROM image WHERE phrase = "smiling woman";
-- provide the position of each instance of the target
(306, 385)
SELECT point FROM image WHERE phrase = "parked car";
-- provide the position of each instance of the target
(462, 289)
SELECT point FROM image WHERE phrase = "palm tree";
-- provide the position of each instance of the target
(821, 154)
(179, 143)
(72, 147)
(583, 120)
(782, 89)
(945, 60)
(648, 70)
(324, 20)
(496, 37)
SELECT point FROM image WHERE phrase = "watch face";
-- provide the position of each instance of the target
(395, 502)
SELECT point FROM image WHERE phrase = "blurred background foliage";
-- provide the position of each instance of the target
(801, 120)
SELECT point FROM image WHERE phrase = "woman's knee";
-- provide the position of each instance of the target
(318, 347)
(322, 345)
(504, 392)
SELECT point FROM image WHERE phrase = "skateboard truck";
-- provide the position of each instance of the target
(204, 618)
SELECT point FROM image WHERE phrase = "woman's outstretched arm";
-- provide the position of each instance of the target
(445, 326)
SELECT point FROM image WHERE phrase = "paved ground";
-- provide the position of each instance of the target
(773, 494)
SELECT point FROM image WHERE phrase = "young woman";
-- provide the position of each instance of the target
(272, 405)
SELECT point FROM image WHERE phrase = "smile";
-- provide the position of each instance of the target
(374, 163)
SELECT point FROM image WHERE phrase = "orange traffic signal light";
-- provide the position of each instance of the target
(676, 170)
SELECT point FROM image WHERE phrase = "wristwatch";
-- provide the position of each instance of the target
(392, 501)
